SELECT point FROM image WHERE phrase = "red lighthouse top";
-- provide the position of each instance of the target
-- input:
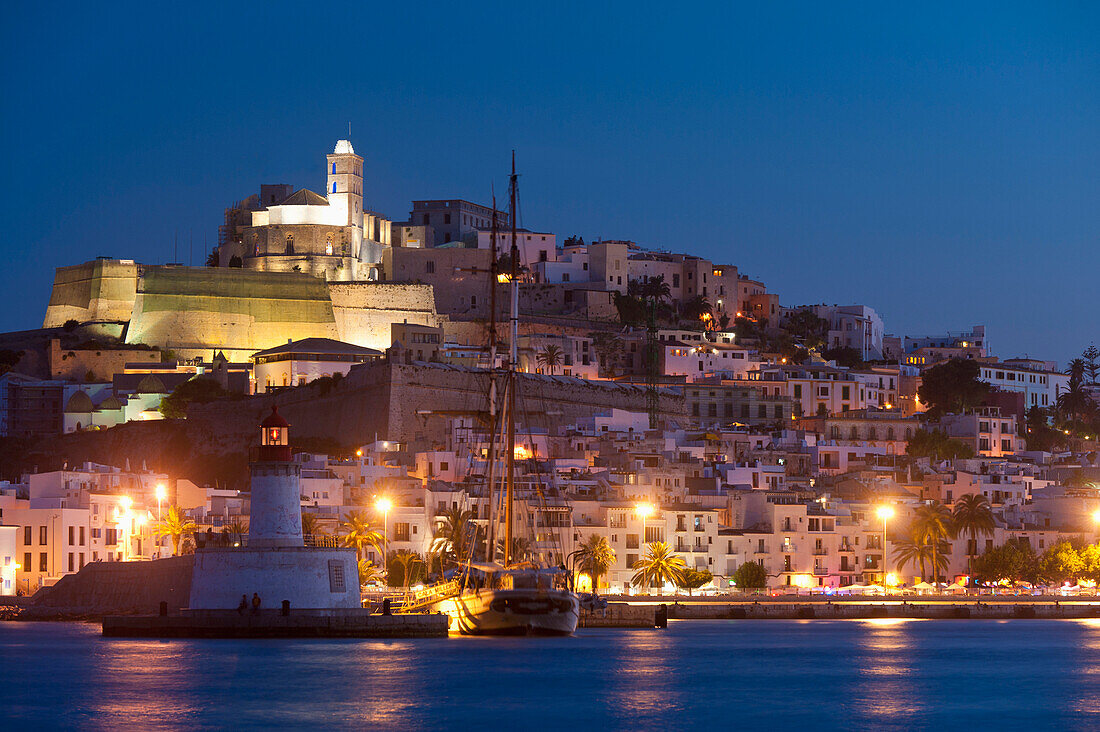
(274, 442)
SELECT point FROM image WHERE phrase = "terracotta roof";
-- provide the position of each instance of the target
(320, 346)
(304, 197)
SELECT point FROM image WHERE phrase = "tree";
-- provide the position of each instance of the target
(235, 530)
(199, 389)
(453, 538)
(693, 579)
(697, 308)
(750, 575)
(357, 533)
(1040, 435)
(1091, 357)
(937, 445)
(909, 550)
(609, 352)
(656, 290)
(368, 573)
(404, 568)
(809, 327)
(175, 524)
(932, 525)
(1075, 401)
(550, 357)
(973, 516)
(658, 566)
(1090, 561)
(1059, 563)
(846, 356)
(310, 525)
(952, 386)
(212, 258)
(595, 557)
(1012, 561)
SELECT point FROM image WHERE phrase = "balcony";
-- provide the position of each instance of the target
(820, 571)
(820, 551)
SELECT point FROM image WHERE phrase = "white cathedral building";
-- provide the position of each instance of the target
(329, 236)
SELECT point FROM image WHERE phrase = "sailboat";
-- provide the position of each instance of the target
(510, 597)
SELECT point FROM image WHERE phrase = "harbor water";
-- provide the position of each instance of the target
(722, 674)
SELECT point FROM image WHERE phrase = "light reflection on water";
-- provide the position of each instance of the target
(813, 674)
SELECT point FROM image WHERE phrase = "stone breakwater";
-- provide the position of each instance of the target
(274, 624)
(647, 614)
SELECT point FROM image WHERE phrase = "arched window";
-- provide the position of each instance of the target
(871, 433)
(334, 168)
(290, 243)
(334, 186)
(889, 433)
(854, 435)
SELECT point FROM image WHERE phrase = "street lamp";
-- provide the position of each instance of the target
(162, 493)
(885, 513)
(384, 505)
(644, 510)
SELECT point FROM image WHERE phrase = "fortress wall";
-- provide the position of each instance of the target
(365, 310)
(207, 308)
(414, 403)
(102, 290)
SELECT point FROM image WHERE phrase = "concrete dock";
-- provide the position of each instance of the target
(273, 624)
(646, 613)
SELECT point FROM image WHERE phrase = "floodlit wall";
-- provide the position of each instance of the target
(102, 290)
(195, 310)
(364, 311)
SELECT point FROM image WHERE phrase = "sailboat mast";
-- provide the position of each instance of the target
(493, 514)
(513, 357)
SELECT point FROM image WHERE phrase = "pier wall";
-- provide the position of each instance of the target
(101, 588)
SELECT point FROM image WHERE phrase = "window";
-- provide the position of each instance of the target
(42, 535)
(333, 170)
(429, 267)
(27, 540)
(81, 536)
(290, 243)
(446, 218)
(43, 562)
(631, 541)
(334, 186)
(401, 532)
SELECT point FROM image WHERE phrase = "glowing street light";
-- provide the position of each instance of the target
(384, 505)
(162, 493)
(644, 510)
(885, 513)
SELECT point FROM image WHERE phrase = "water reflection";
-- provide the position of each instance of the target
(885, 653)
(643, 679)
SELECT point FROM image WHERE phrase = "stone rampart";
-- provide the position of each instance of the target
(118, 588)
(414, 403)
(364, 311)
(99, 291)
(240, 311)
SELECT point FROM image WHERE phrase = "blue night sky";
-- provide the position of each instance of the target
(940, 164)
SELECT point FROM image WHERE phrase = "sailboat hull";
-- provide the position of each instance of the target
(513, 612)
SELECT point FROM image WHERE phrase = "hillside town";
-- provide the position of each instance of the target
(675, 414)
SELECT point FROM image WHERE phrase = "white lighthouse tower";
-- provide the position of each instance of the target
(274, 563)
(275, 514)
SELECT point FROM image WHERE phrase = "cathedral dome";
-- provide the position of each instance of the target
(79, 402)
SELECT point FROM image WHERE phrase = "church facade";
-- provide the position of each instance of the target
(330, 237)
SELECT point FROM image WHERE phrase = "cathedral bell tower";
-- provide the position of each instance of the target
(344, 189)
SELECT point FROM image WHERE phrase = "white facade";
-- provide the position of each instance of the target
(9, 560)
(1040, 388)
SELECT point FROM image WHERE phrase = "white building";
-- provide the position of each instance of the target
(1040, 386)
(300, 362)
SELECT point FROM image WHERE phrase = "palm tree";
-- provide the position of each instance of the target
(368, 572)
(453, 538)
(656, 289)
(357, 532)
(177, 525)
(595, 558)
(521, 547)
(550, 357)
(311, 526)
(658, 566)
(932, 525)
(973, 516)
(908, 550)
(236, 530)
(410, 563)
(1074, 401)
(697, 308)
